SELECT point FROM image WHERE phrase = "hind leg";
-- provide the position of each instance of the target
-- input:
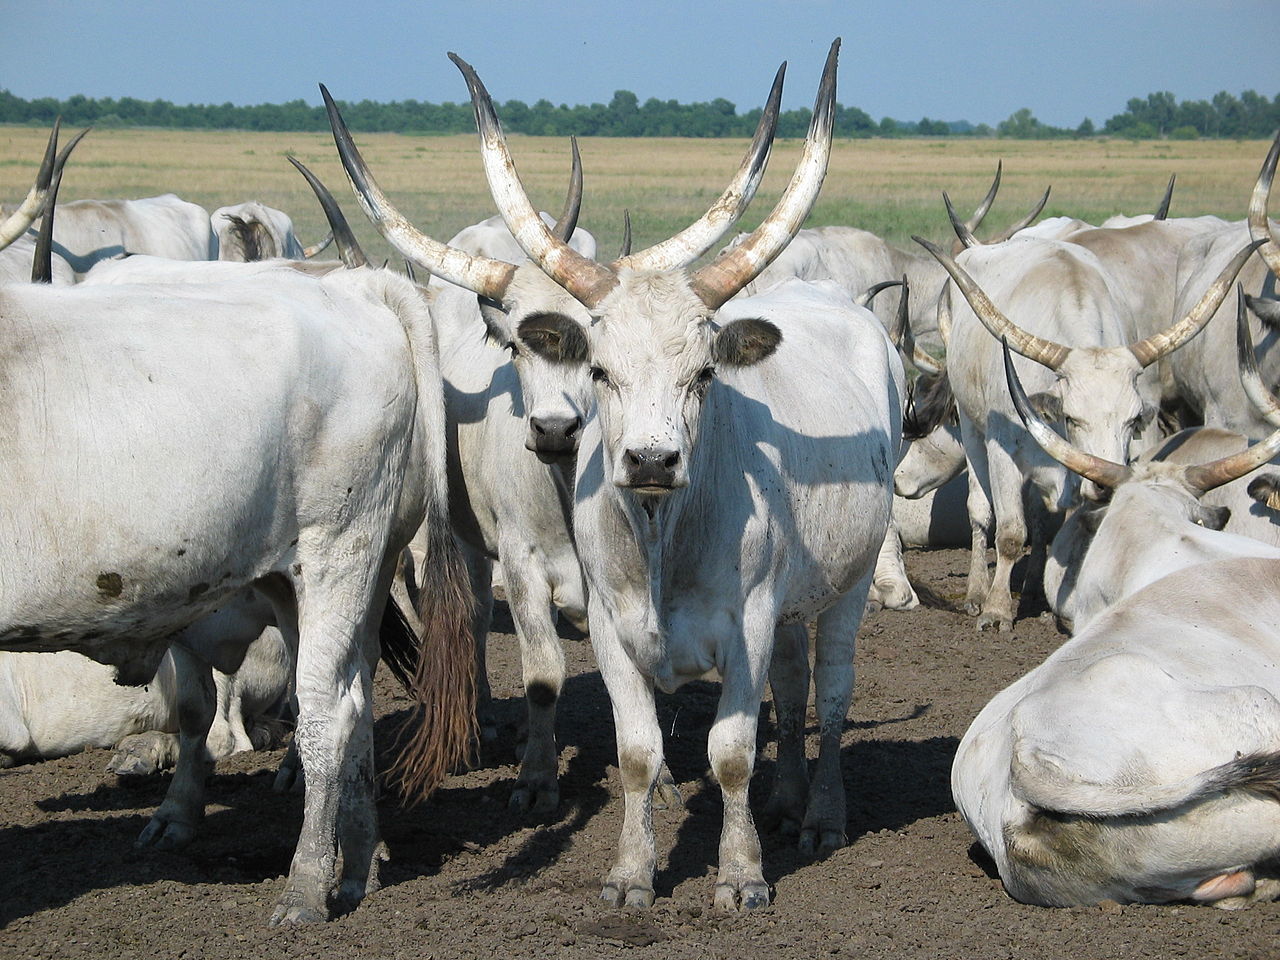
(789, 679)
(825, 816)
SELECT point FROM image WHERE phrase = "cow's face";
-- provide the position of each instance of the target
(652, 351)
(1099, 404)
(540, 326)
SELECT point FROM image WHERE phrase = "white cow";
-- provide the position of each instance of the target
(512, 392)
(284, 434)
(1141, 761)
(253, 231)
(89, 231)
(1204, 375)
(732, 483)
(1060, 292)
(1153, 523)
(54, 704)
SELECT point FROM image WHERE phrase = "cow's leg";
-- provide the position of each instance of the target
(980, 520)
(825, 817)
(890, 587)
(174, 823)
(789, 679)
(480, 572)
(731, 747)
(1011, 537)
(542, 660)
(639, 738)
(334, 732)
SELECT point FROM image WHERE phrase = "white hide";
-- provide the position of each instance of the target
(776, 511)
(270, 233)
(280, 432)
(1139, 762)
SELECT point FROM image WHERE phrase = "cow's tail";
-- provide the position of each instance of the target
(440, 735)
(1043, 784)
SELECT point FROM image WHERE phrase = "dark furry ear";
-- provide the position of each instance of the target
(1213, 518)
(1048, 406)
(1266, 310)
(741, 343)
(497, 328)
(1266, 490)
(553, 336)
(1091, 515)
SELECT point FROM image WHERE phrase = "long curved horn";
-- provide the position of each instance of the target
(1035, 348)
(944, 315)
(699, 237)
(902, 319)
(1250, 377)
(903, 337)
(17, 223)
(585, 279)
(1105, 473)
(482, 275)
(964, 235)
(568, 220)
(316, 249)
(1025, 222)
(51, 167)
(626, 234)
(1162, 211)
(734, 269)
(866, 296)
(980, 213)
(1259, 226)
(348, 247)
(1152, 348)
(1204, 477)
(42, 256)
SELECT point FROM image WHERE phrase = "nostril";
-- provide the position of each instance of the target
(538, 428)
(573, 426)
(671, 460)
(634, 458)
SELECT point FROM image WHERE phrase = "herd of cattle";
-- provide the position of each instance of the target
(236, 486)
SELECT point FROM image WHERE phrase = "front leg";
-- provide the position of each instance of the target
(731, 746)
(635, 718)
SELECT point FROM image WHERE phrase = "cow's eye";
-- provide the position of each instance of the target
(599, 376)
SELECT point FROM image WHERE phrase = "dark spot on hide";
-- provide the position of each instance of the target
(540, 694)
(110, 585)
(181, 551)
(194, 593)
(297, 569)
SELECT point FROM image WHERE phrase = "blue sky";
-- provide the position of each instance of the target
(946, 59)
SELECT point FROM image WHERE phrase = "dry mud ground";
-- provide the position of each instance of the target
(468, 879)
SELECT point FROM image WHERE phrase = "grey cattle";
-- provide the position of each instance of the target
(283, 434)
(508, 389)
(1141, 761)
(1204, 375)
(733, 482)
(1060, 292)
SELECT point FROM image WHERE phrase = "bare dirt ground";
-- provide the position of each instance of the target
(468, 879)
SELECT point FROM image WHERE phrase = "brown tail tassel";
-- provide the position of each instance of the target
(442, 729)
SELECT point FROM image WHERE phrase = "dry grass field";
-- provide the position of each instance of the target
(891, 187)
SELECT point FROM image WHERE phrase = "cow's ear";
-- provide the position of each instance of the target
(1265, 309)
(497, 325)
(1048, 406)
(741, 343)
(553, 336)
(1212, 518)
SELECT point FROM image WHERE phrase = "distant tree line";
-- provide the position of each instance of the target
(1160, 115)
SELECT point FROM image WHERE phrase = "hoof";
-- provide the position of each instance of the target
(821, 843)
(616, 895)
(666, 795)
(162, 834)
(732, 897)
(539, 800)
(287, 916)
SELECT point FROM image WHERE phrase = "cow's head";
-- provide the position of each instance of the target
(653, 345)
(1096, 391)
(531, 310)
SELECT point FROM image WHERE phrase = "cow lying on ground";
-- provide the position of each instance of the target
(1141, 761)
